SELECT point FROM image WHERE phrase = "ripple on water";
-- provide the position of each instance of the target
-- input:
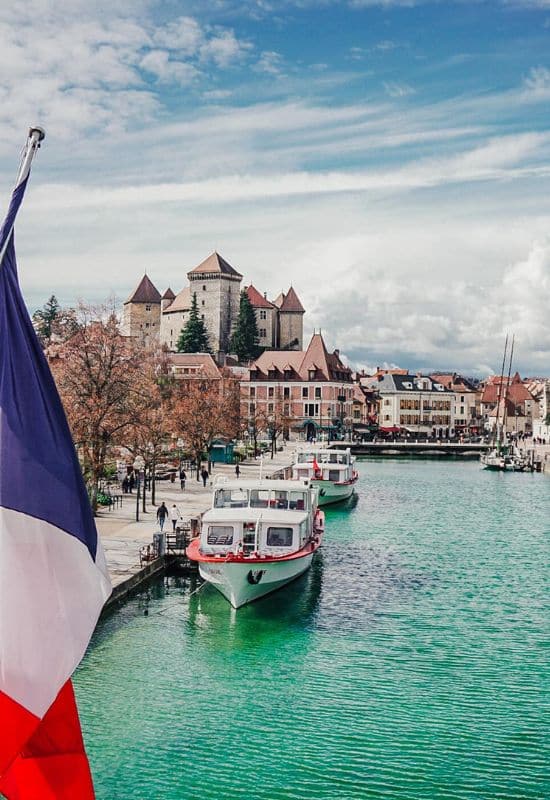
(408, 663)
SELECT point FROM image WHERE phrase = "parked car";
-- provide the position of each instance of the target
(164, 472)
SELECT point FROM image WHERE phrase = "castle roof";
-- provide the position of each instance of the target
(145, 292)
(181, 302)
(291, 303)
(257, 300)
(168, 294)
(199, 365)
(214, 264)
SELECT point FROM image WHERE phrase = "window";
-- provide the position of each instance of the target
(146, 324)
(270, 391)
(312, 374)
(259, 498)
(286, 409)
(204, 288)
(220, 534)
(202, 316)
(148, 307)
(252, 408)
(270, 408)
(305, 392)
(298, 499)
(263, 314)
(252, 391)
(262, 333)
(202, 301)
(317, 392)
(286, 392)
(279, 537)
(231, 498)
(333, 475)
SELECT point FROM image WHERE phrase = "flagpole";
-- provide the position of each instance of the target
(35, 137)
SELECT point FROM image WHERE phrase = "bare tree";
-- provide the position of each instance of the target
(97, 371)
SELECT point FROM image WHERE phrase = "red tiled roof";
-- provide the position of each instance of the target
(291, 303)
(203, 361)
(316, 358)
(257, 299)
(146, 292)
(215, 264)
(182, 302)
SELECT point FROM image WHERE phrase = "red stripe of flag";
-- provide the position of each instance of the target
(52, 763)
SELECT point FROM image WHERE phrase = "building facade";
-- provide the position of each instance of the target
(415, 404)
(311, 390)
(141, 313)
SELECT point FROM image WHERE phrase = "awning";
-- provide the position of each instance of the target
(393, 429)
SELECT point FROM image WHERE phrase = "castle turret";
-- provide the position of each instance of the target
(291, 321)
(141, 312)
(217, 286)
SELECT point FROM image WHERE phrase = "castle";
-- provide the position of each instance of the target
(159, 319)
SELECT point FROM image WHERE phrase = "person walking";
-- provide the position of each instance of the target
(183, 478)
(162, 513)
(237, 471)
(204, 476)
(174, 516)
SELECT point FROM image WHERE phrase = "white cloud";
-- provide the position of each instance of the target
(224, 49)
(167, 70)
(395, 89)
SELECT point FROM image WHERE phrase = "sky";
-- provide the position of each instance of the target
(389, 159)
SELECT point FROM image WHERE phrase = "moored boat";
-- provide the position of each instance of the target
(258, 536)
(330, 471)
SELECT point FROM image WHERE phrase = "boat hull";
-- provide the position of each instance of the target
(237, 581)
(330, 492)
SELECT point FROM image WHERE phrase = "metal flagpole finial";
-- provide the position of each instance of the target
(35, 137)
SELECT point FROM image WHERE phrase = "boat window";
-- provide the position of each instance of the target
(220, 534)
(303, 472)
(259, 498)
(297, 501)
(333, 475)
(231, 498)
(280, 500)
(279, 537)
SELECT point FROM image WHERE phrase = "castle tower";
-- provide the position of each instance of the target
(291, 321)
(217, 286)
(141, 313)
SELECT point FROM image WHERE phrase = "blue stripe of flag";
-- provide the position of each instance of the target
(39, 470)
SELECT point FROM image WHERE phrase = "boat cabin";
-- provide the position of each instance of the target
(335, 466)
(269, 518)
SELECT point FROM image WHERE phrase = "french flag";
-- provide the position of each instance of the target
(53, 576)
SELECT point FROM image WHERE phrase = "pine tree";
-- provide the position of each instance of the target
(193, 337)
(244, 341)
(45, 317)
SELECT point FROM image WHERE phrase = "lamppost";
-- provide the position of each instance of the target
(180, 444)
(138, 465)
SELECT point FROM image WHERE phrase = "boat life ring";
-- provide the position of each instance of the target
(255, 576)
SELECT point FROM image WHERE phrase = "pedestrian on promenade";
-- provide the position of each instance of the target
(237, 470)
(174, 516)
(131, 482)
(183, 478)
(162, 513)
(125, 485)
(204, 476)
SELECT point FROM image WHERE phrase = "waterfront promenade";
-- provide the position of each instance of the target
(122, 536)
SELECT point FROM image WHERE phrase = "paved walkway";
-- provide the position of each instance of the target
(122, 536)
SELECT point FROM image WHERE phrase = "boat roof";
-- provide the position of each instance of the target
(322, 450)
(269, 483)
(279, 516)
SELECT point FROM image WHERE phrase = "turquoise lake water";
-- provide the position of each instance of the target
(411, 661)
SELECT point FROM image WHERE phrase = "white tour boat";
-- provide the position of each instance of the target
(258, 536)
(330, 471)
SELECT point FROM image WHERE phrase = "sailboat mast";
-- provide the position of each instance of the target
(500, 389)
(506, 391)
